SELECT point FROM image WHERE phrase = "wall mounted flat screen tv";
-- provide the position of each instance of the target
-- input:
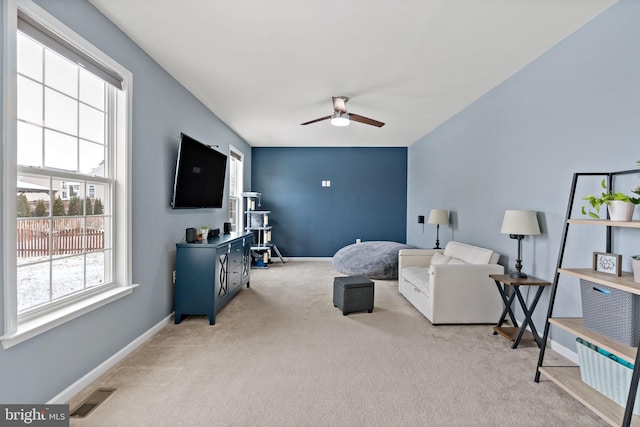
(200, 174)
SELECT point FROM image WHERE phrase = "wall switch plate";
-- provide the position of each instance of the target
(420, 219)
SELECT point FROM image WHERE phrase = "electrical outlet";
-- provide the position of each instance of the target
(173, 277)
(358, 241)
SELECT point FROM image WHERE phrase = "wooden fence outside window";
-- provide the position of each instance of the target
(59, 236)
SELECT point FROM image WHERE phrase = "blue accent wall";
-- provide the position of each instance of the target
(576, 108)
(367, 199)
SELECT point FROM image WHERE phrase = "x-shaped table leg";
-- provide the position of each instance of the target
(527, 316)
(507, 301)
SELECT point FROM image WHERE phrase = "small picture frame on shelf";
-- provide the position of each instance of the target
(607, 263)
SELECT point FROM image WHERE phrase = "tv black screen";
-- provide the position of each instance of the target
(200, 174)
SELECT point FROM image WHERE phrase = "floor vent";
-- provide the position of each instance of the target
(92, 402)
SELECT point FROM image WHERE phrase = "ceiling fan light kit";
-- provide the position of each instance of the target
(341, 117)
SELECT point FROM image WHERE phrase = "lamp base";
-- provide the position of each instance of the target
(518, 275)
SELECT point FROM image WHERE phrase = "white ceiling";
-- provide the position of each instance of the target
(264, 67)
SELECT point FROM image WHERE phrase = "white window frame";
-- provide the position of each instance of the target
(17, 330)
(239, 180)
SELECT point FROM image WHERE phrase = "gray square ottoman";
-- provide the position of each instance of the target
(353, 293)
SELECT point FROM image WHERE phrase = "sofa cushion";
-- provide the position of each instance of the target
(438, 258)
(450, 261)
(417, 276)
(468, 253)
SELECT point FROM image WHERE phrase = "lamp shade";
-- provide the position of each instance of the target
(438, 216)
(524, 223)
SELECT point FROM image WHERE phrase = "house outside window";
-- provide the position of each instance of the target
(70, 135)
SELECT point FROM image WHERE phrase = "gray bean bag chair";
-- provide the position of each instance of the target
(374, 260)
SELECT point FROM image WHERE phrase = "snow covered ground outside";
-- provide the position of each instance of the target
(43, 282)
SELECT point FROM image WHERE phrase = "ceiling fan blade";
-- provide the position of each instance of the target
(365, 120)
(340, 103)
(316, 120)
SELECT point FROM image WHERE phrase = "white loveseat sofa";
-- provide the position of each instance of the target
(451, 285)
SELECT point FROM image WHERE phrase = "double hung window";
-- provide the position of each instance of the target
(71, 142)
(235, 189)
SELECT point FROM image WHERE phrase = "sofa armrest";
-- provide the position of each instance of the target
(415, 257)
(465, 293)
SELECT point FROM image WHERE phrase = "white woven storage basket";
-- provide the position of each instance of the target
(605, 375)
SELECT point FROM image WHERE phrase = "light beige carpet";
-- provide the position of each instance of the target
(281, 354)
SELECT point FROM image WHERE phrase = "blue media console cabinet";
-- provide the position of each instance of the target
(209, 273)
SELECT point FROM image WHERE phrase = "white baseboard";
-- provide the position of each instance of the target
(317, 258)
(563, 351)
(87, 379)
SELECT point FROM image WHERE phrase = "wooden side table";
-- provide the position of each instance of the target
(515, 333)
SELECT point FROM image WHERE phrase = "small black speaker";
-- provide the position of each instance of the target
(192, 235)
(214, 232)
(227, 227)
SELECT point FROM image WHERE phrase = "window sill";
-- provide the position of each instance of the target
(46, 322)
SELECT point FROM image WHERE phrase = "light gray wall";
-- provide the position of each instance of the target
(37, 370)
(574, 109)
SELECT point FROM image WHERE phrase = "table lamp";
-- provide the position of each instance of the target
(518, 224)
(438, 216)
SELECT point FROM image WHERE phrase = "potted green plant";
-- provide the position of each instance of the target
(204, 230)
(635, 266)
(619, 204)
